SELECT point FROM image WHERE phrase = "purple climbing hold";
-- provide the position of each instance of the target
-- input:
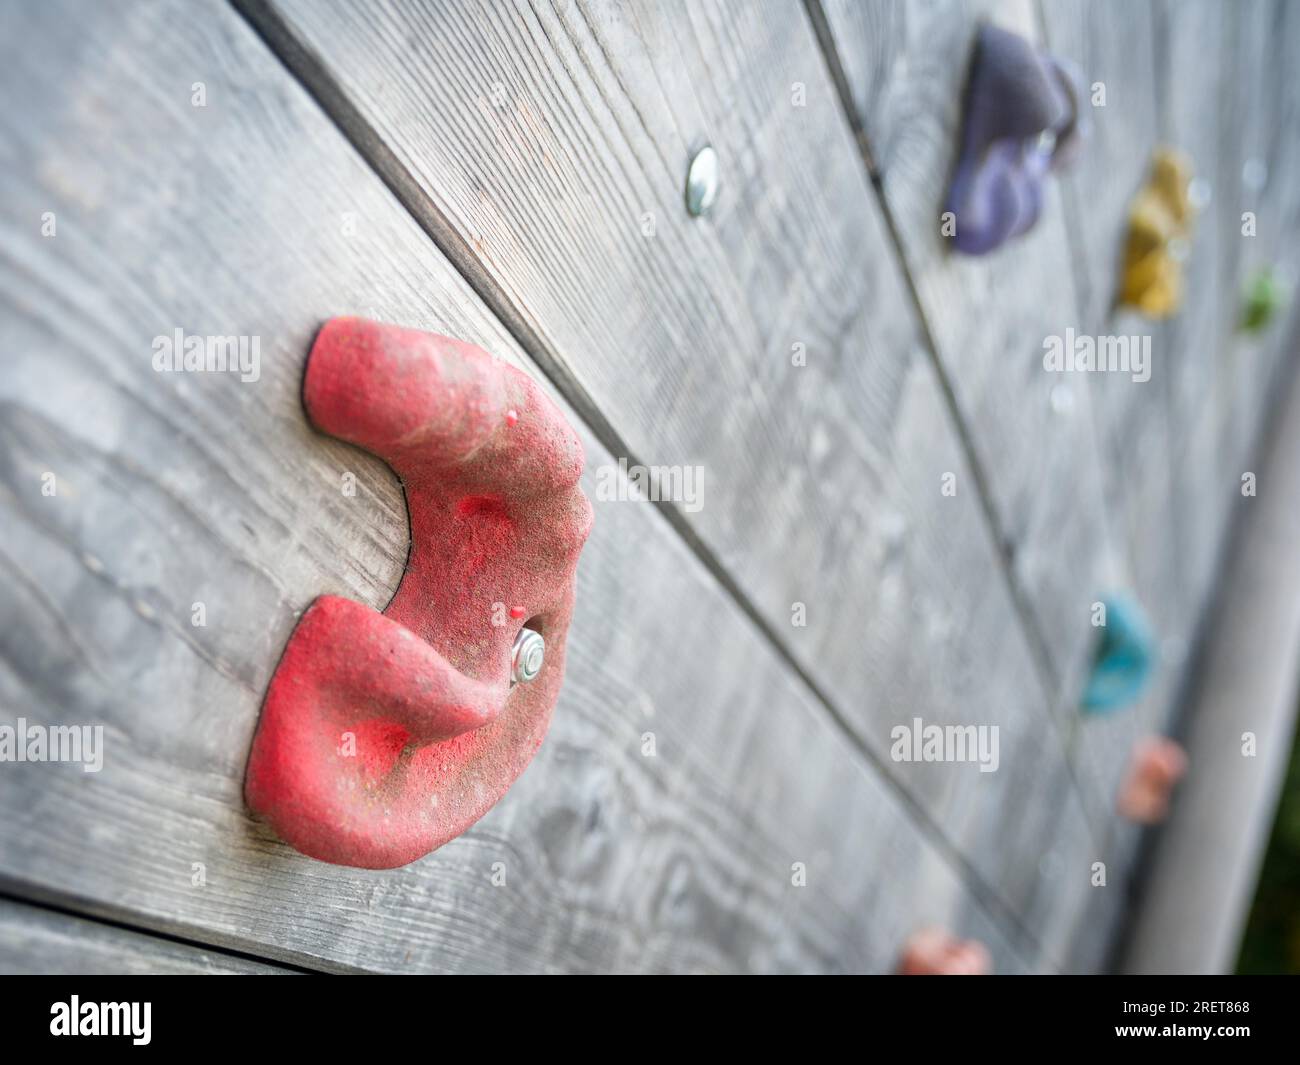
(1022, 119)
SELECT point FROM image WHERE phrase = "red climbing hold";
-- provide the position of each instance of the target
(383, 736)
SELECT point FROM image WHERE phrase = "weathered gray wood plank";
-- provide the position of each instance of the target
(1205, 868)
(1198, 74)
(1248, 112)
(905, 65)
(541, 137)
(1110, 41)
(1255, 104)
(1113, 44)
(1261, 151)
(1218, 80)
(1282, 197)
(40, 942)
(1157, 451)
(251, 216)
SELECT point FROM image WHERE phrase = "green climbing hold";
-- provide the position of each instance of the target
(1264, 298)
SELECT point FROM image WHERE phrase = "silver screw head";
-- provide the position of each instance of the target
(702, 182)
(1254, 174)
(1061, 399)
(527, 656)
(1199, 194)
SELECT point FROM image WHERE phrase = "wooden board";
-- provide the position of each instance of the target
(1113, 45)
(1282, 196)
(40, 942)
(1217, 104)
(1247, 119)
(1194, 79)
(513, 175)
(1236, 107)
(251, 216)
(1205, 869)
(1111, 42)
(905, 66)
(825, 480)
(1262, 146)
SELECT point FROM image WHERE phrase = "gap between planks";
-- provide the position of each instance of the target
(30, 895)
(1020, 598)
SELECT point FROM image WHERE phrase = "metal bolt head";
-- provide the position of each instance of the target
(526, 656)
(1061, 399)
(1199, 194)
(702, 182)
(1254, 174)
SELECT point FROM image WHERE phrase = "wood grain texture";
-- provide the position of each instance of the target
(542, 138)
(1196, 79)
(1113, 45)
(1261, 149)
(1177, 450)
(1248, 113)
(905, 65)
(1216, 110)
(1205, 869)
(40, 942)
(1248, 92)
(1157, 445)
(251, 216)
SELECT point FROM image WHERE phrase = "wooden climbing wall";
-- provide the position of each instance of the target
(512, 175)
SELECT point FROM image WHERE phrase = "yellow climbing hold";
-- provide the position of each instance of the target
(1159, 224)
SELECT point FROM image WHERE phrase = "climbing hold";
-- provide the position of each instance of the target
(1159, 228)
(1124, 659)
(1022, 119)
(1155, 766)
(383, 736)
(934, 951)
(1264, 298)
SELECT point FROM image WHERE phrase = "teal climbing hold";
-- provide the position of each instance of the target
(1124, 660)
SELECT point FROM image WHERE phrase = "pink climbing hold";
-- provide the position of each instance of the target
(383, 736)
(933, 951)
(1155, 767)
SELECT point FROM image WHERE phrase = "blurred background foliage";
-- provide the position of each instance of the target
(1272, 940)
